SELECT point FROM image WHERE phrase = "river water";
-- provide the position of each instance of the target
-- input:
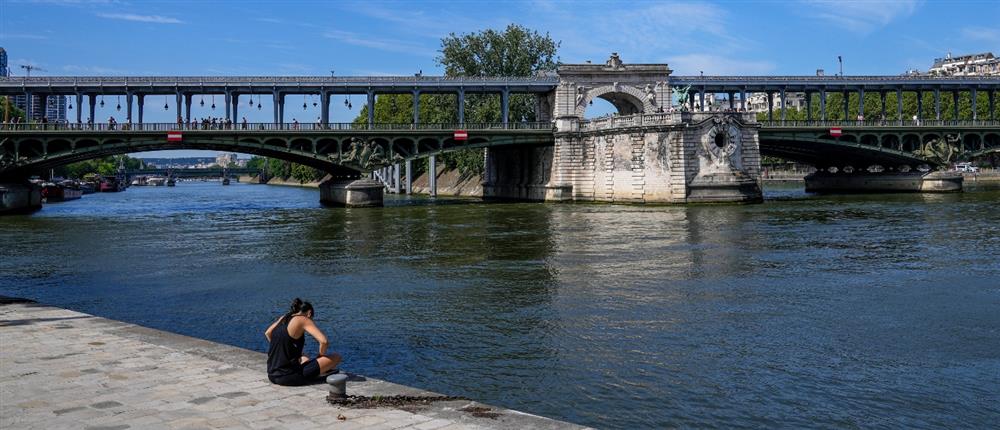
(804, 311)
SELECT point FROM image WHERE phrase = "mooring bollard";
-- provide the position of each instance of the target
(338, 385)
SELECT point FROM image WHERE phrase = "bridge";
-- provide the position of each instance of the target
(657, 149)
(214, 172)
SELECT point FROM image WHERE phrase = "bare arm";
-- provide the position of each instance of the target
(315, 332)
(267, 333)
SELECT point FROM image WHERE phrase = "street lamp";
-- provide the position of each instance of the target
(840, 60)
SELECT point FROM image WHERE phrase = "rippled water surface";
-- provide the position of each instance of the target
(819, 311)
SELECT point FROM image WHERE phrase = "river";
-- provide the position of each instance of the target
(804, 311)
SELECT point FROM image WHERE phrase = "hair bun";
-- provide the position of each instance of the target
(296, 305)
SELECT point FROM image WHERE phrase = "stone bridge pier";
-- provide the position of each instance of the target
(647, 153)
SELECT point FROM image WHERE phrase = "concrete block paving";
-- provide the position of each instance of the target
(65, 369)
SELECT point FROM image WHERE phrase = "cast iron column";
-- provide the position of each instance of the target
(822, 105)
(920, 105)
(416, 108)
(701, 99)
(229, 103)
(770, 106)
(274, 100)
(937, 104)
(235, 102)
(861, 102)
(28, 106)
(395, 178)
(140, 99)
(992, 105)
(954, 102)
(432, 177)
(324, 107)
(409, 176)
(732, 103)
(784, 106)
(743, 99)
(847, 109)
(371, 109)
(128, 107)
(809, 104)
(93, 106)
(899, 105)
(178, 100)
(881, 94)
(973, 95)
(188, 98)
(79, 108)
(504, 106)
(461, 108)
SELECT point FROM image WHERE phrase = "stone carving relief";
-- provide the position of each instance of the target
(720, 148)
(614, 62)
(367, 156)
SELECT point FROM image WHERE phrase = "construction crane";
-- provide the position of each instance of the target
(29, 67)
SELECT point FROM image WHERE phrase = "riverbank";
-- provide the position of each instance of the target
(75, 370)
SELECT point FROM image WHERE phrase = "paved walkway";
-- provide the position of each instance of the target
(65, 369)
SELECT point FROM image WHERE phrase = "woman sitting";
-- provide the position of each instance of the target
(285, 363)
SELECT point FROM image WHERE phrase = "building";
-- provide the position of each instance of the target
(984, 64)
(54, 112)
(757, 102)
(4, 71)
(225, 160)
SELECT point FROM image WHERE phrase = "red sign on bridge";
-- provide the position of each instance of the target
(174, 136)
(836, 132)
(461, 135)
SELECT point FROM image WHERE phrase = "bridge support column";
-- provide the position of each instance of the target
(395, 178)
(128, 108)
(29, 107)
(371, 109)
(899, 105)
(186, 100)
(409, 176)
(461, 108)
(229, 106)
(505, 107)
(743, 100)
(991, 96)
(351, 193)
(140, 99)
(809, 103)
(847, 109)
(882, 97)
(235, 102)
(281, 108)
(432, 176)
(972, 95)
(79, 108)
(701, 99)
(732, 103)
(954, 105)
(416, 108)
(822, 105)
(861, 103)
(43, 104)
(324, 108)
(784, 107)
(274, 102)
(920, 105)
(937, 104)
(770, 106)
(93, 106)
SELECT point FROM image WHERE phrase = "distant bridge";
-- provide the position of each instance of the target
(192, 173)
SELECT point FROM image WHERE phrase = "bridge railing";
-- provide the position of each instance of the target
(636, 120)
(884, 123)
(258, 127)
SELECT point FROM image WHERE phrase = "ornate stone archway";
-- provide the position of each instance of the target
(628, 99)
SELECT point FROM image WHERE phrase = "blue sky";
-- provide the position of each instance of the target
(109, 37)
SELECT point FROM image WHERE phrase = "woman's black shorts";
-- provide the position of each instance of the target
(309, 375)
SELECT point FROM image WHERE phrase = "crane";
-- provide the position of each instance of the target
(29, 67)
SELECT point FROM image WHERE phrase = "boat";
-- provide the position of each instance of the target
(111, 185)
(87, 188)
(52, 192)
(156, 181)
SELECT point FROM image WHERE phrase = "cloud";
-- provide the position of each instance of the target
(155, 19)
(23, 36)
(982, 34)
(693, 64)
(861, 16)
(382, 44)
(92, 70)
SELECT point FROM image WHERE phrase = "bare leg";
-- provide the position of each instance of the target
(328, 362)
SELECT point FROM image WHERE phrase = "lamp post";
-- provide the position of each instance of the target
(840, 60)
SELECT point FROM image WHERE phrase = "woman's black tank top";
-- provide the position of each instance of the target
(284, 352)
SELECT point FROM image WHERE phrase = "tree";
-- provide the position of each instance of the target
(516, 52)
(8, 111)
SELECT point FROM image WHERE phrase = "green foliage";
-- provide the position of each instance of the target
(873, 107)
(107, 166)
(8, 111)
(286, 170)
(516, 51)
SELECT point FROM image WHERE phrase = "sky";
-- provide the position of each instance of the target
(247, 37)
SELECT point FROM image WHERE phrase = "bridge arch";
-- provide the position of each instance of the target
(972, 142)
(627, 99)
